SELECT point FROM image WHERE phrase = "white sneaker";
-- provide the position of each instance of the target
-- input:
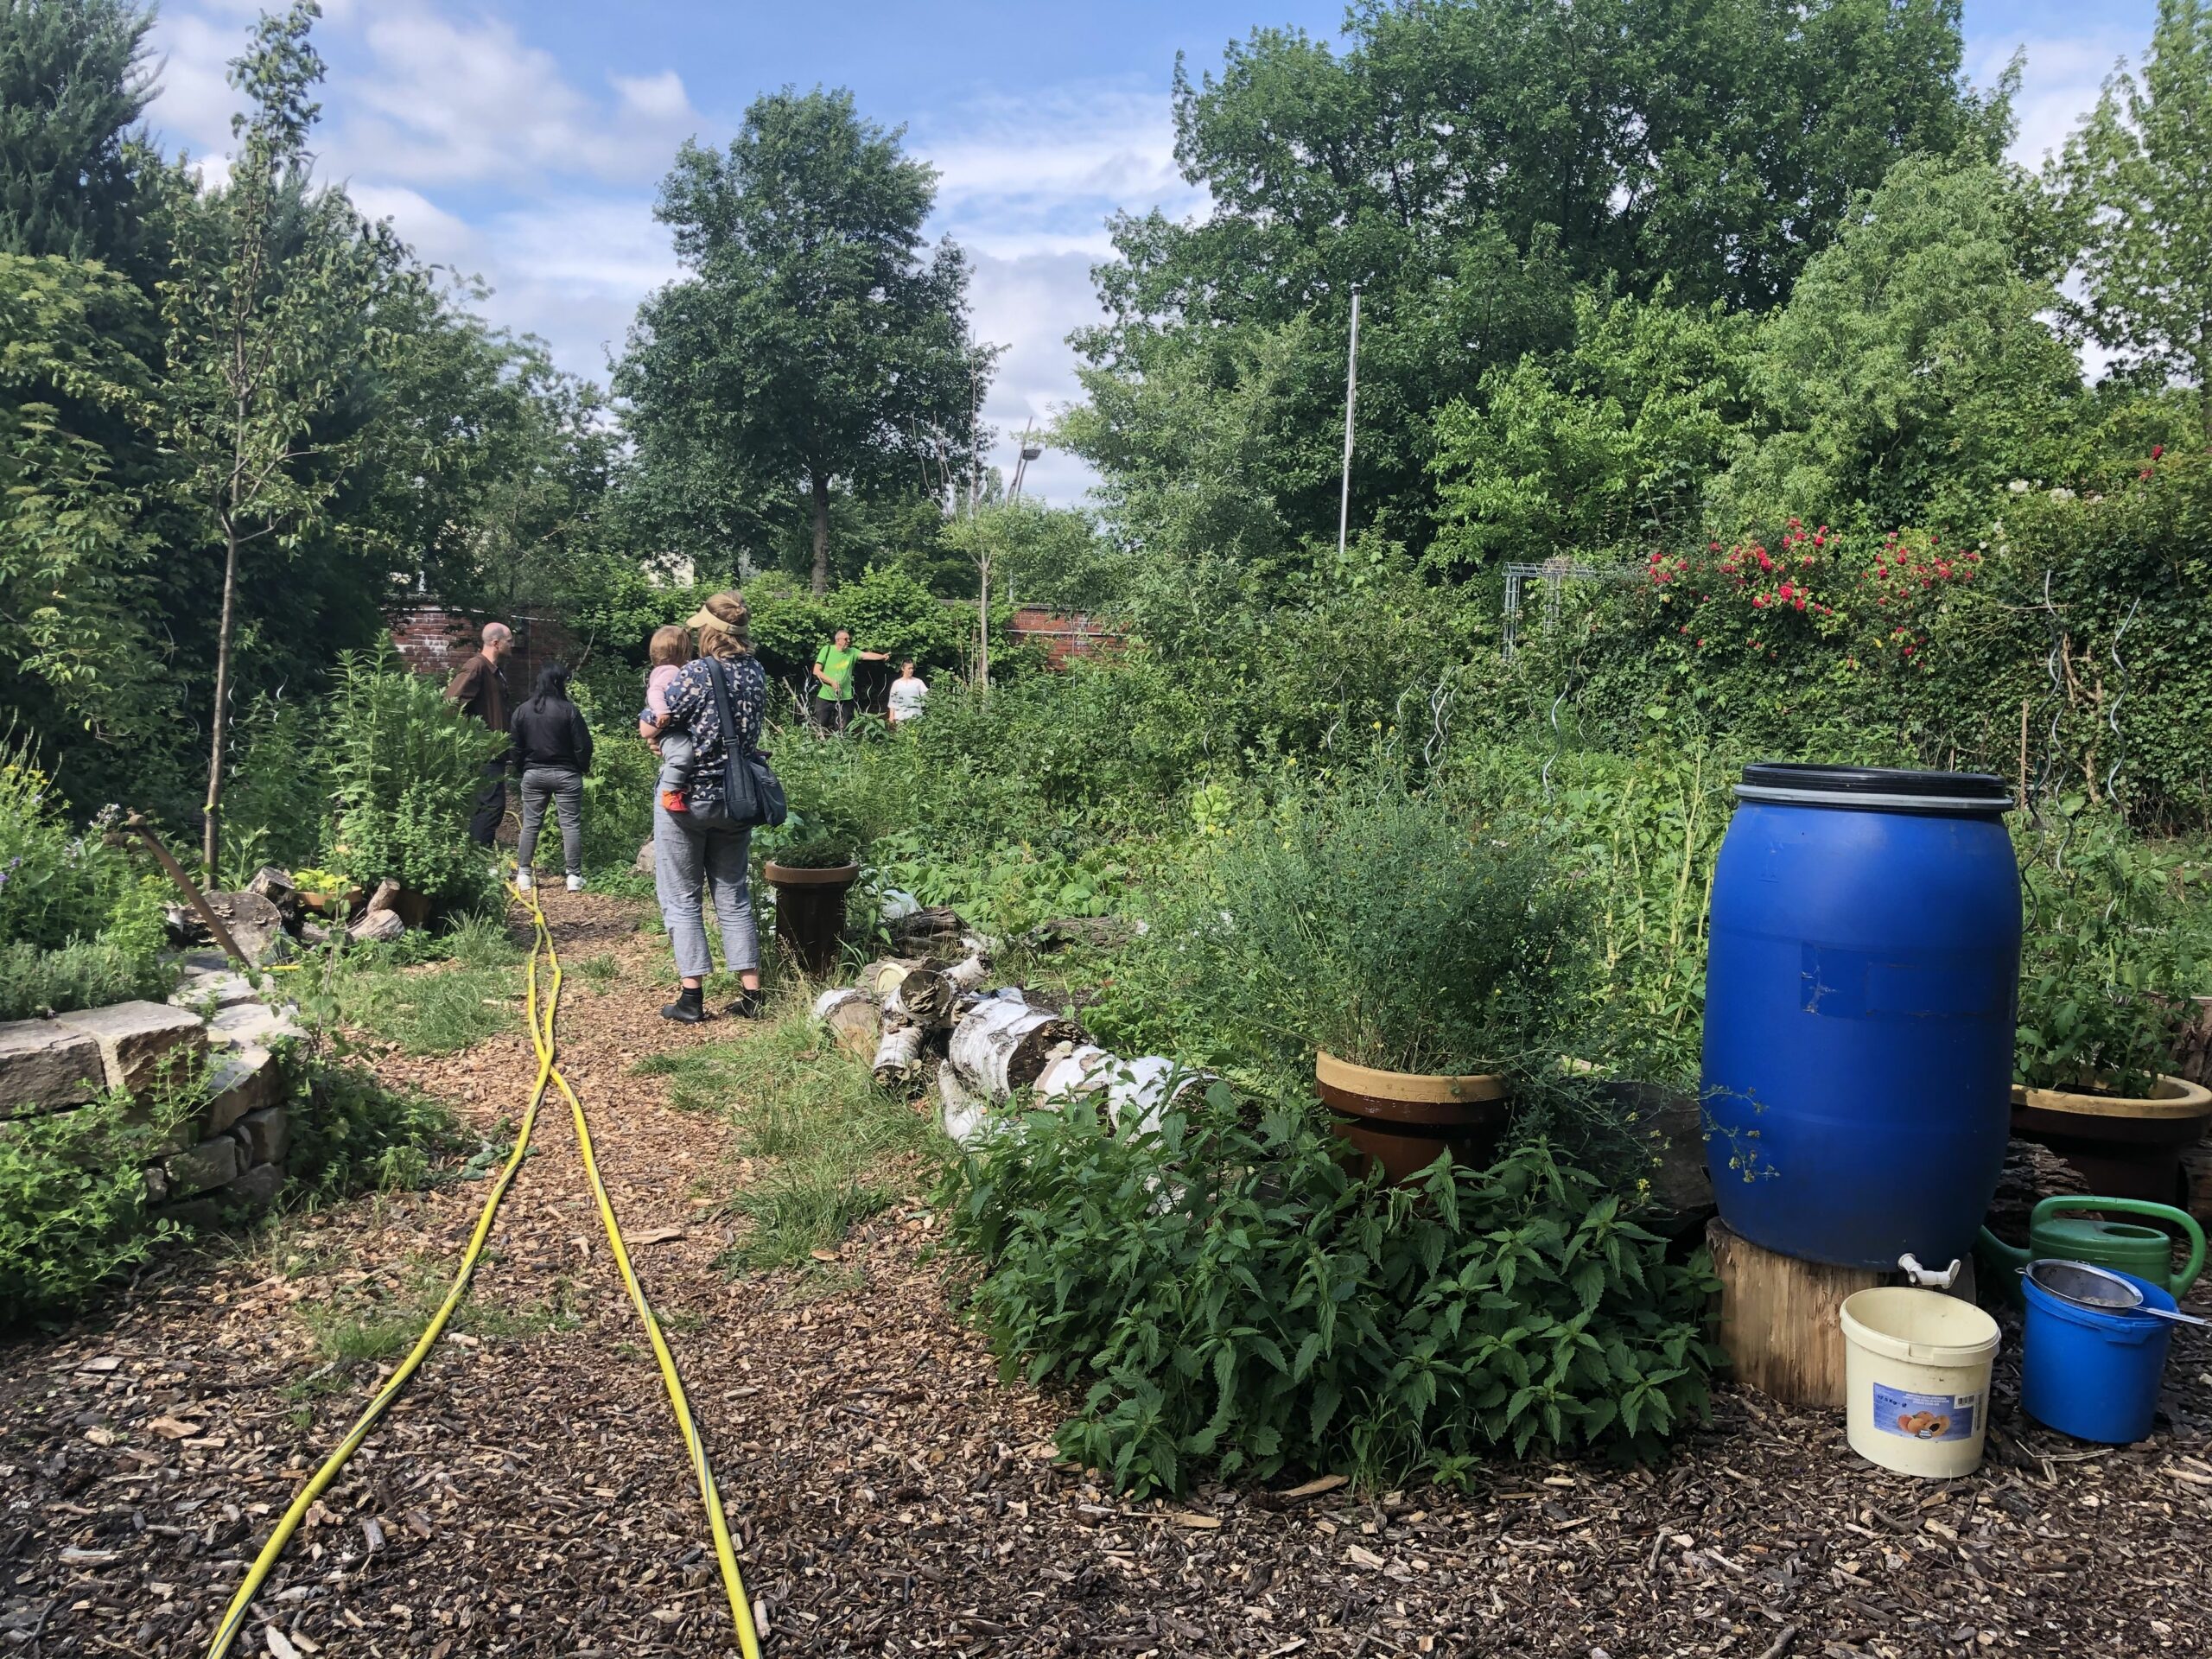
(522, 880)
(576, 884)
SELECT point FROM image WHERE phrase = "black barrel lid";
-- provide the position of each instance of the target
(1888, 788)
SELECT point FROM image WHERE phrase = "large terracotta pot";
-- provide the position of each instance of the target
(1405, 1122)
(2123, 1147)
(810, 912)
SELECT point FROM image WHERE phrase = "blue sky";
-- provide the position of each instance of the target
(522, 143)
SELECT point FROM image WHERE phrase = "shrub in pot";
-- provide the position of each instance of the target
(1419, 961)
(2104, 957)
(811, 865)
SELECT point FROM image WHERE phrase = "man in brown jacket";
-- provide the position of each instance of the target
(481, 690)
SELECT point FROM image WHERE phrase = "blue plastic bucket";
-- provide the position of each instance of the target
(1858, 1019)
(2090, 1374)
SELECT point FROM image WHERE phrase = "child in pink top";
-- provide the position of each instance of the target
(670, 650)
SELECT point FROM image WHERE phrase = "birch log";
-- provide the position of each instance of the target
(1142, 1089)
(963, 1116)
(879, 978)
(853, 1020)
(1003, 1045)
(926, 998)
(899, 1058)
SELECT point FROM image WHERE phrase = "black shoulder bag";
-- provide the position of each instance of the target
(752, 794)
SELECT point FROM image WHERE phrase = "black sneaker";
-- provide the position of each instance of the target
(686, 1009)
(749, 1006)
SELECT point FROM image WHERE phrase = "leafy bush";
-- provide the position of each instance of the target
(407, 766)
(73, 1205)
(350, 1133)
(83, 974)
(78, 926)
(1392, 930)
(2113, 947)
(1231, 1298)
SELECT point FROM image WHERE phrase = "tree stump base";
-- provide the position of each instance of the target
(1780, 1318)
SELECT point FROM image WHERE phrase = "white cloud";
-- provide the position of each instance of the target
(2059, 83)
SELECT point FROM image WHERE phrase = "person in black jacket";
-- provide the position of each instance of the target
(552, 752)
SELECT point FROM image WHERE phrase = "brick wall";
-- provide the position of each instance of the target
(435, 640)
(1063, 637)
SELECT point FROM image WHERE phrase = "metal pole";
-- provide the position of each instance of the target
(1351, 396)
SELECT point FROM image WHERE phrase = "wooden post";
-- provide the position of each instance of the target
(1779, 1316)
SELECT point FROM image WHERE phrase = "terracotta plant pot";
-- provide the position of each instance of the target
(810, 912)
(1404, 1120)
(326, 902)
(2122, 1146)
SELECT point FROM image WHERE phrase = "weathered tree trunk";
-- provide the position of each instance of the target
(880, 978)
(2197, 1167)
(1003, 1045)
(926, 996)
(821, 534)
(211, 831)
(963, 1116)
(1140, 1089)
(899, 1058)
(853, 1023)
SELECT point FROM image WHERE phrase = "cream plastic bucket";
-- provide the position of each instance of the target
(1915, 1368)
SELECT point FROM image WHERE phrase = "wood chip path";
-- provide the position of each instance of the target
(529, 1495)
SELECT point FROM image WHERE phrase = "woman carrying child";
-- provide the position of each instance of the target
(694, 846)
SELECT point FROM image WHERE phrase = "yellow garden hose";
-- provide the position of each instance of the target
(740, 1607)
(549, 1075)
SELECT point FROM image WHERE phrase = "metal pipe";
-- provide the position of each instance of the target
(1351, 397)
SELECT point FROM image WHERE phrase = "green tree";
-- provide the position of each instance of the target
(1610, 442)
(75, 394)
(270, 311)
(1912, 374)
(1476, 163)
(75, 79)
(812, 345)
(2136, 182)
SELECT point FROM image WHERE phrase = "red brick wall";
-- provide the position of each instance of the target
(435, 640)
(1063, 637)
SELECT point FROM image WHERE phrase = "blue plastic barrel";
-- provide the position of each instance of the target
(2093, 1375)
(1862, 970)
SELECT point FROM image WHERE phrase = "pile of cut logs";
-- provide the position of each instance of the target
(913, 1014)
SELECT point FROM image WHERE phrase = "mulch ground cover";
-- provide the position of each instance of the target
(889, 1495)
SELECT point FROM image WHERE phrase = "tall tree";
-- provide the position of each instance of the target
(2136, 183)
(271, 310)
(1475, 163)
(73, 80)
(813, 344)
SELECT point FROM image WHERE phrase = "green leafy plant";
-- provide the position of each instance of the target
(406, 766)
(73, 1205)
(1229, 1299)
(1392, 929)
(350, 1133)
(2107, 960)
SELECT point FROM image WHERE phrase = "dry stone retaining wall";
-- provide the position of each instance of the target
(230, 1151)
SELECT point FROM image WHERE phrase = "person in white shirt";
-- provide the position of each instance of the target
(908, 693)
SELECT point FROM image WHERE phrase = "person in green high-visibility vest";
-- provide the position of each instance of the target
(833, 669)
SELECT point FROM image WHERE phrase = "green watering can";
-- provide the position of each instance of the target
(2146, 1252)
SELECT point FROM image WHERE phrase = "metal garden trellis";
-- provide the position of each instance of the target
(1553, 573)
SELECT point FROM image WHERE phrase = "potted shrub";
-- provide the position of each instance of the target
(2096, 1029)
(811, 865)
(1416, 961)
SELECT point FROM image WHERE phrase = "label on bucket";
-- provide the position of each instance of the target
(1924, 1416)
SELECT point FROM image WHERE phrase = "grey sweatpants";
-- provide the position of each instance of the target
(687, 860)
(564, 787)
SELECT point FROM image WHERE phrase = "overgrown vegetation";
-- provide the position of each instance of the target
(73, 1205)
(1229, 1298)
(831, 1147)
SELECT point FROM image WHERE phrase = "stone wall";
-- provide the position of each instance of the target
(230, 1152)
